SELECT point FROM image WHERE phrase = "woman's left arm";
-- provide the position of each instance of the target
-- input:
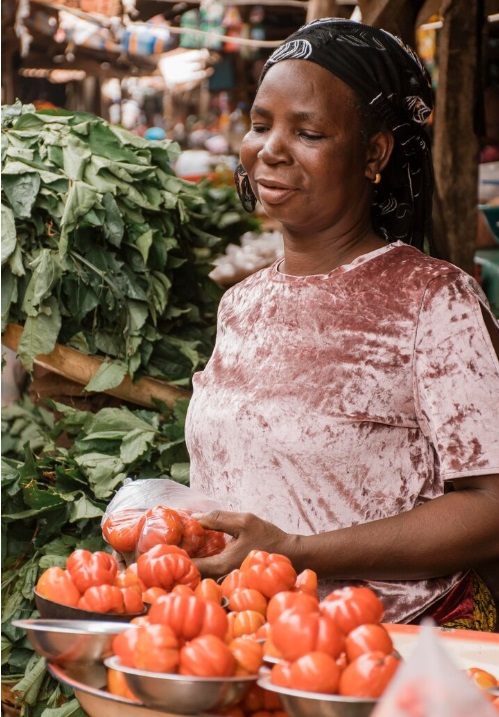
(453, 532)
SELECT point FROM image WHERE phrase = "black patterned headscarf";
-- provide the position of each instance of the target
(389, 78)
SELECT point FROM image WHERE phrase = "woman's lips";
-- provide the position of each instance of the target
(273, 194)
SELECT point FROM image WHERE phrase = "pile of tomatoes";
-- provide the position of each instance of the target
(137, 531)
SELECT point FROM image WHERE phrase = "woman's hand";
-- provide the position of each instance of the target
(247, 533)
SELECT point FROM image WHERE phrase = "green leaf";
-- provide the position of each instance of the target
(180, 472)
(114, 226)
(30, 685)
(46, 269)
(109, 375)
(81, 199)
(69, 709)
(40, 334)
(21, 191)
(9, 237)
(84, 509)
(135, 444)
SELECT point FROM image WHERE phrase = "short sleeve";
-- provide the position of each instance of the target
(456, 378)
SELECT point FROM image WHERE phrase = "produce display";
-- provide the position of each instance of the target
(260, 619)
(105, 249)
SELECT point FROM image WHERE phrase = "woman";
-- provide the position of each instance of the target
(348, 417)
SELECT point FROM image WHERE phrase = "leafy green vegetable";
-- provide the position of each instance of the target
(104, 248)
(53, 499)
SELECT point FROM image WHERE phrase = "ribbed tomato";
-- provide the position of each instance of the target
(156, 649)
(124, 645)
(159, 526)
(207, 656)
(89, 569)
(209, 589)
(315, 672)
(306, 582)
(104, 598)
(368, 675)
(367, 638)
(248, 655)
(353, 606)
(269, 573)
(189, 616)
(121, 529)
(165, 566)
(117, 685)
(294, 634)
(56, 584)
(247, 599)
(214, 543)
(246, 622)
(193, 535)
(235, 579)
(288, 600)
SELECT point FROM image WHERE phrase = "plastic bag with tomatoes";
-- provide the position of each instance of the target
(154, 511)
(430, 683)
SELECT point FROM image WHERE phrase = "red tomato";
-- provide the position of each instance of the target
(482, 678)
(159, 526)
(286, 600)
(189, 616)
(152, 594)
(248, 655)
(294, 634)
(352, 606)
(270, 573)
(259, 699)
(156, 649)
(121, 529)
(214, 543)
(182, 590)
(103, 598)
(235, 579)
(280, 674)
(117, 685)
(165, 566)
(247, 599)
(207, 656)
(56, 584)
(128, 578)
(246, 622)
(91, 569)
(193, 535)
(315, 672)
(132, 600)
(306, 582)
(209, 589)
(368, 675)
(124, 645)
(367, 638)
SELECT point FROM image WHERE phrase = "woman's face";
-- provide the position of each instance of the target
(304, 153)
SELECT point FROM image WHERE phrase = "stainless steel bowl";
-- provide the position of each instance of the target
(181, 694)
(71, 641)
(298, 703)
(98, 702)
(55, 611)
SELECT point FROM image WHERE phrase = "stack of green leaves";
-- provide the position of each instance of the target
(104, 249)
(53, 499)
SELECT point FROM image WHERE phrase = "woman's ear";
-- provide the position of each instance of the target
(379, 149)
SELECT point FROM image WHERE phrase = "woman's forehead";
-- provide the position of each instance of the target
(304, 84)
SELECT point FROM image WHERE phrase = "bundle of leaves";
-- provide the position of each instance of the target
(53, 499)
(103, 248)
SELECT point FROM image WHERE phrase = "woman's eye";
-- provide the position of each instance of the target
(308, 135)
(258, 128)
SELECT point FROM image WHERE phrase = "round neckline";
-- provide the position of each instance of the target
(362, 259)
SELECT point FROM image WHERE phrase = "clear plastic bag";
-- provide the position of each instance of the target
(149, 511)
(429, 684)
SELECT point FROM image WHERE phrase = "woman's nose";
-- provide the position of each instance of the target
(274, 148)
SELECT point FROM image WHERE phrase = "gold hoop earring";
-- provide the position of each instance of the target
(377, 178)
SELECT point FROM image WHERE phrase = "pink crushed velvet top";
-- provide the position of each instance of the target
(332, 400)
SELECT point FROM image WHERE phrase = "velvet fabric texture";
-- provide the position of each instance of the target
(333, 400)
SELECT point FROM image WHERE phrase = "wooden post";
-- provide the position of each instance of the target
(455, 147)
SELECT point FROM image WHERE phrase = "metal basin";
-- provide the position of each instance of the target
(298, 703)
(182, 694)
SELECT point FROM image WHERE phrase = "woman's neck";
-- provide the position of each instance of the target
(306, 258)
